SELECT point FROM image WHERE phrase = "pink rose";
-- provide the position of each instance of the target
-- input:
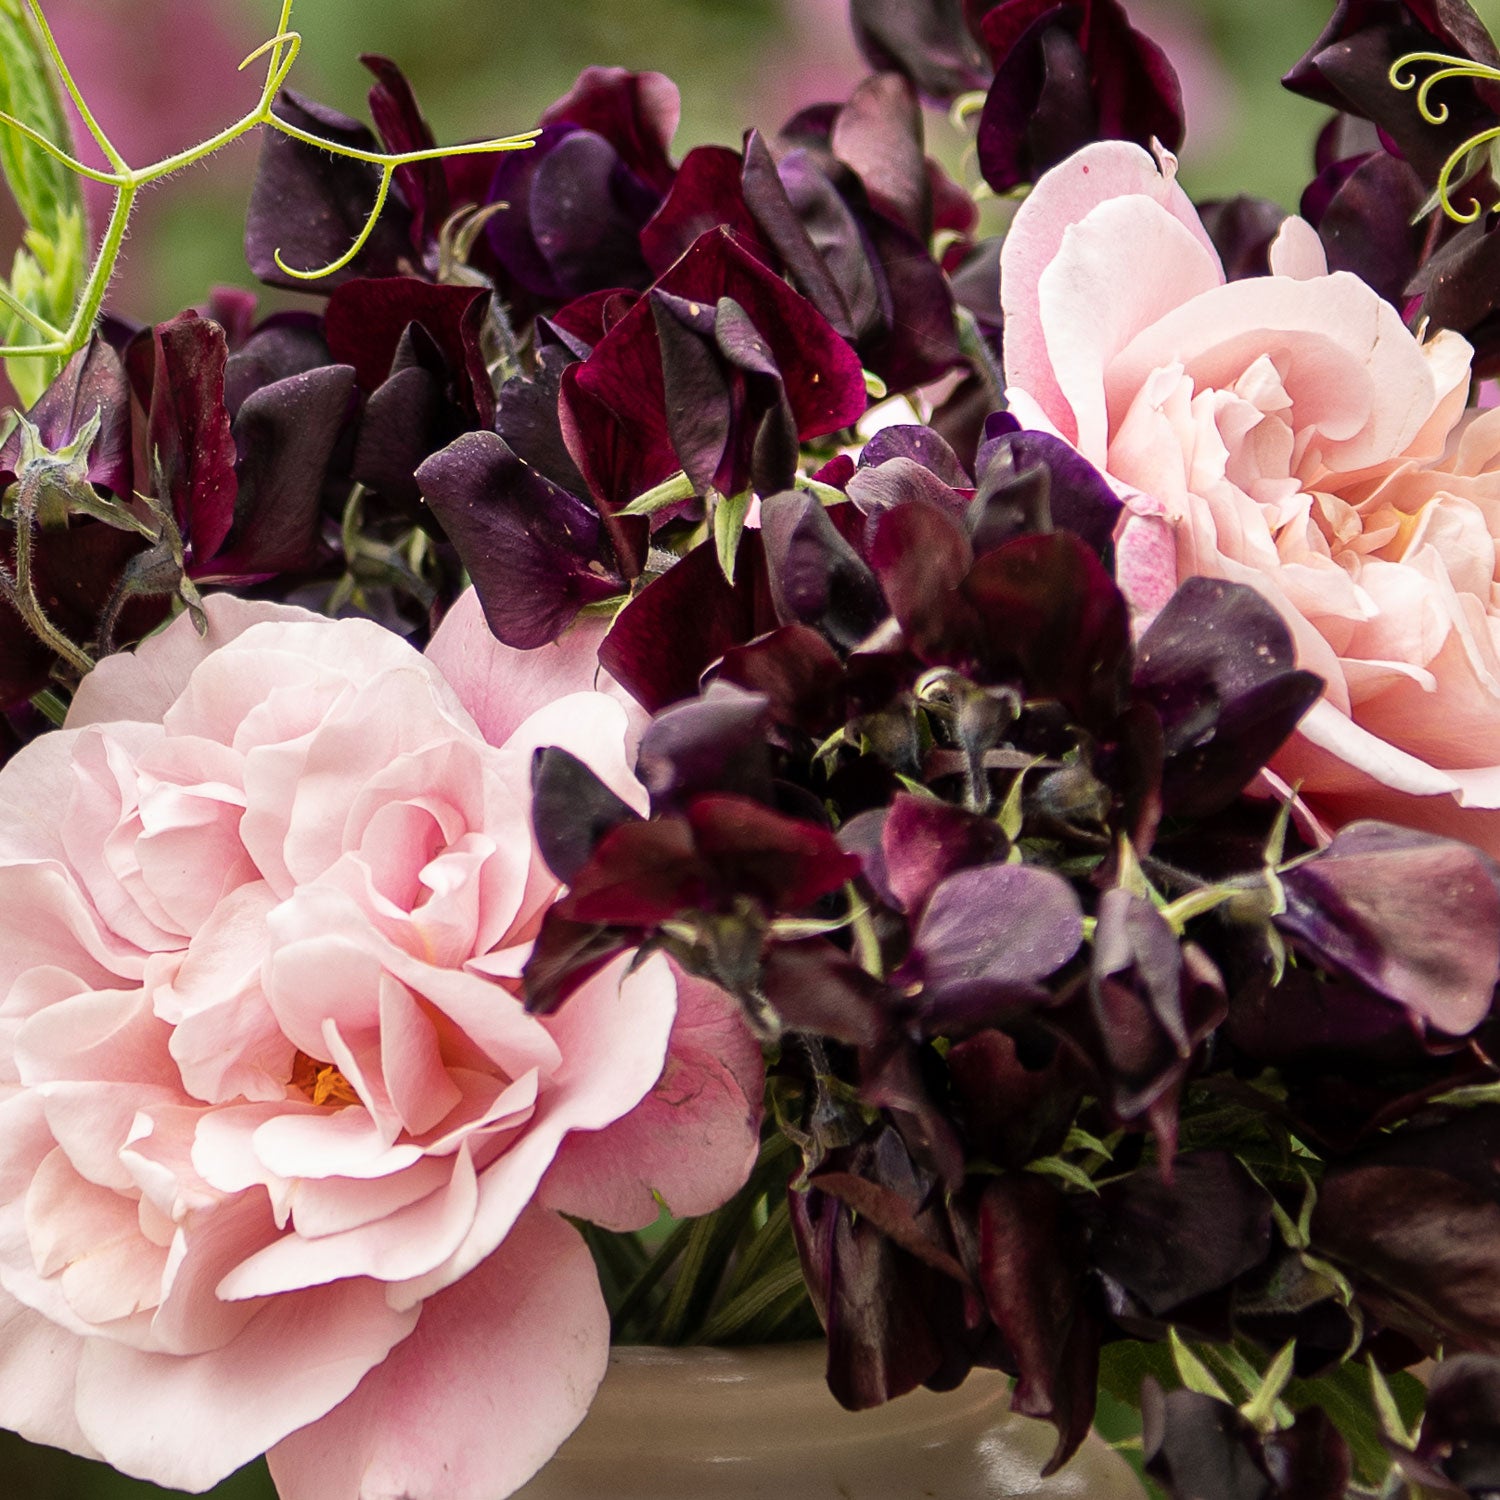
(283, 1159)
(1288, 432)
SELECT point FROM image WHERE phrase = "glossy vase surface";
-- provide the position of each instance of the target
(742, 1424)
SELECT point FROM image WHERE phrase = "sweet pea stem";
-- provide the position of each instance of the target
(127, 181)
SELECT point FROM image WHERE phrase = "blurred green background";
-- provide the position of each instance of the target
(160, 73)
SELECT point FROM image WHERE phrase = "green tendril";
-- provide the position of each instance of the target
(281, 51)
(1403, 76)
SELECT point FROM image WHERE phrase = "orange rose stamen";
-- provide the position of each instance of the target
(321, 1081)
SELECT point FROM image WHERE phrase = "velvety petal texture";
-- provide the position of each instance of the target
(281, 1150)
(1286, 431)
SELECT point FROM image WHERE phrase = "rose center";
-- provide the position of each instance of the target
(321, 1081)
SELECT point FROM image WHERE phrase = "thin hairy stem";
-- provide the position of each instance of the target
(79, 102)
(22, 590)
(359, 244)
(35, 319)
(402, 158)
(110, 179)
(282, 51)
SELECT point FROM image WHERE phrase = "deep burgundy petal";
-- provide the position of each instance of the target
(192, 452)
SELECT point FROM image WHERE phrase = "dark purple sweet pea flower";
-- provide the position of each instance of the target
(1168, 1242)
(1065, 75)
(569, 212)
(1242, 229)
(725, 863)
(1413, 917)
(1348, 68)
(312, 206)
(1218, 666)
(882, 1270)
(245, 491)
(536, 553)
(1367, 211)
(1414, 1221)
(986, 939)
(1458, 1448)
(1197, 1446)
(721, 370)
(1032, 1269)
(415, 348)
(931, 41)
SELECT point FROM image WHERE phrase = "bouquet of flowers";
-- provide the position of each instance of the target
(718, 749)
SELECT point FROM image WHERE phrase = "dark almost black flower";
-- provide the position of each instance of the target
(222, 458)
(1348, 68)
(931, 41)
(1458, 1449)
(536, 553)
(568, 213)
(1197, 1446)
(883, 1271)
(1412, 917)
(1165, 1244)
(311, 206)
(721, 370)
(1066, 75)
(416, 351)
(1414, 1221)
(1242, 229)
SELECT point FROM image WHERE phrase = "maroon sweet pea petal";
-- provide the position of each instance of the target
(190, 451)
(706, 193)
(367, 317)
(537, 554)
(878, 135)
(1066, 75)
(923, 841)
(647, 648)
(402, 127)
(796, 671)
(928, 40)
(786, 863)
(637, 113)
(1413, 916)
(1032, 1264)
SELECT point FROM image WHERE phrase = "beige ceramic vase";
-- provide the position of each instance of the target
(760, 1424)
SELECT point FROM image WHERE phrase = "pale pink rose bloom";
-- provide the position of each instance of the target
(283, 1159)
(1290, 433)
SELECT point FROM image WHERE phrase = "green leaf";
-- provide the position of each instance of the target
(49, 269)
(1055, 1166)
(741, 1312)
(729, 527)
(1345, 1394)
(1191, 1370)
(1264, 1410)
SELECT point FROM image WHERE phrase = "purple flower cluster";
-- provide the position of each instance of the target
(1093, 1051)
